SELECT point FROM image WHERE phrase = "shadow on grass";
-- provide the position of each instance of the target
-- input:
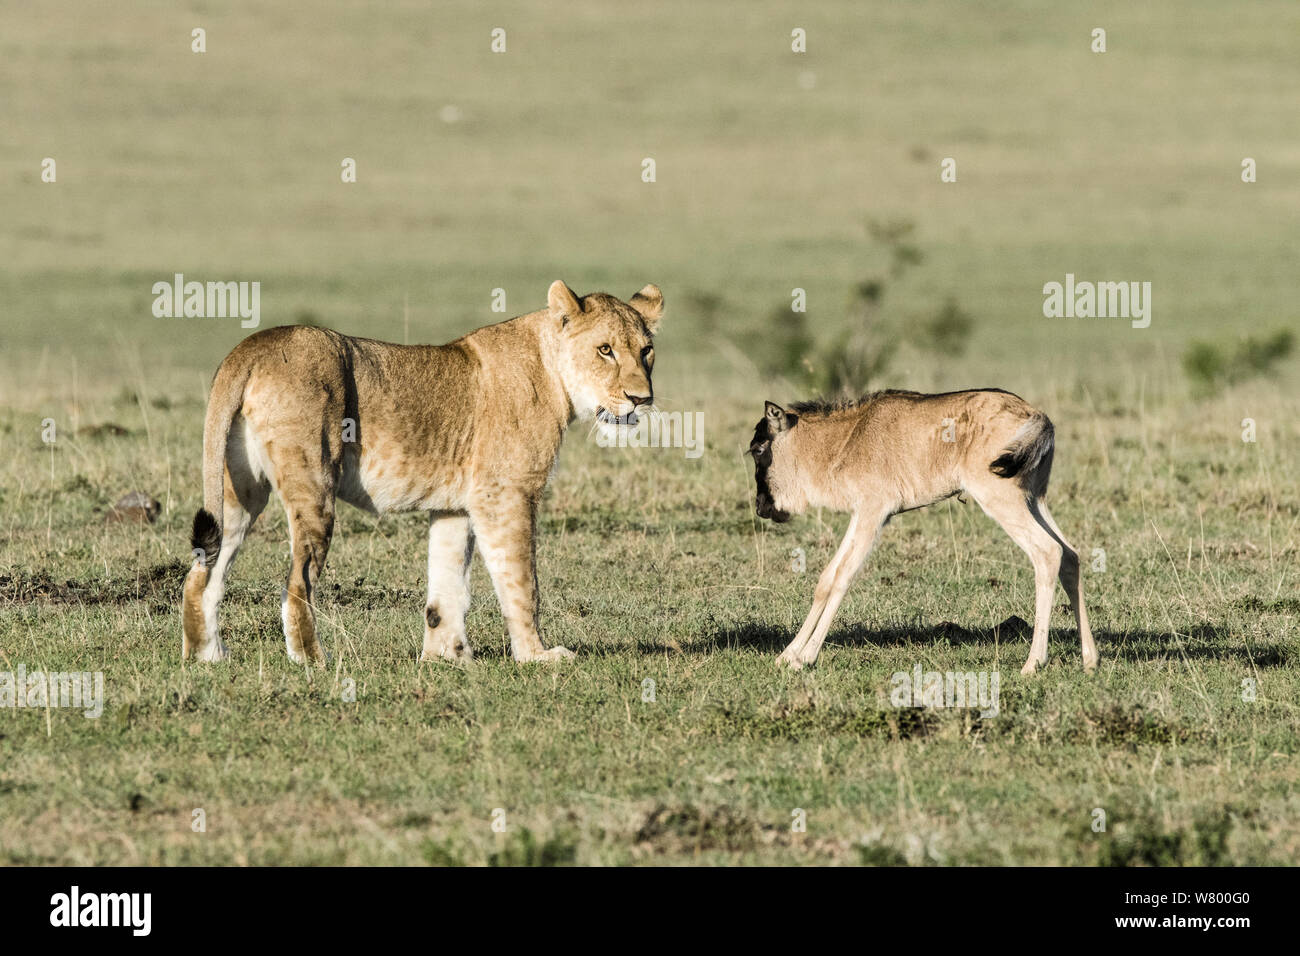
(1201, 642)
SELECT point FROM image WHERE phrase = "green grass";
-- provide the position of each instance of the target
(653, 566)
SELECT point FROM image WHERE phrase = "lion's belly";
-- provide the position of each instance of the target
(383, 479)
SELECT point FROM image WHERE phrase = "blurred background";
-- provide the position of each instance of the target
(775, 170)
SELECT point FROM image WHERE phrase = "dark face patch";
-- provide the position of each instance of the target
(760, 448)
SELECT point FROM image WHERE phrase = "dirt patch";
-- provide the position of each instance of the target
(1279, 606)
(103, 430)
(1120, 726)
(685, 829)
(159, 585)
(805, 720)
(369, 597)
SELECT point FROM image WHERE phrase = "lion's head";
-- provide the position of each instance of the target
(607, 351)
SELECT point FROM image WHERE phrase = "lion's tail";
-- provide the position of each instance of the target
(224, 402)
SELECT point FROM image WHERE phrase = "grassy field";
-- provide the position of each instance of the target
(479, 171)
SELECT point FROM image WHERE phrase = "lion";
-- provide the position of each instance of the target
(467, 431)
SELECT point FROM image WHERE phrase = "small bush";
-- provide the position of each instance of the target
(947, 332)
(1146, 842)
(781, 348)
(524, 849)
(853, 358)
(1212, 366)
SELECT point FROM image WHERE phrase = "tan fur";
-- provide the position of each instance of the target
(895, 451)
(468, 432)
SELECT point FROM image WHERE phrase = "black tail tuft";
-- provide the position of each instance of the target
(1007, 465)
(205, 539)
(1028, 458)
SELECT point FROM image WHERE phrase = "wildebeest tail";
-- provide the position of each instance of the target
(1029, 456)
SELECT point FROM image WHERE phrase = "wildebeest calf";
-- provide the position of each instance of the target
(893, 451)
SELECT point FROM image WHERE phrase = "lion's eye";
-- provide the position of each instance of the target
(648, 353)
(605, 350)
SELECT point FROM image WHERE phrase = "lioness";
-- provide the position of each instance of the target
(468, 432)
(894, 451)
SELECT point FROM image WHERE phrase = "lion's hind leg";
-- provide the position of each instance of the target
(311, 526)
(245, 494)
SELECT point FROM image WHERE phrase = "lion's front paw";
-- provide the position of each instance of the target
(457, 649)
(212, 652)
(315, 655)
(462, 653)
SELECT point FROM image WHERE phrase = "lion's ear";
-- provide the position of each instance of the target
(562, 302)
(650, 303)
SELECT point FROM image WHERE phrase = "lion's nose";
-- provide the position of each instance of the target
(639, 399)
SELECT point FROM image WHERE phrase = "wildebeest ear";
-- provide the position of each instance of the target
(562, 302)
(778, 419)
(650, 303)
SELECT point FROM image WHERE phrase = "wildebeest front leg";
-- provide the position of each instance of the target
(825, 583)
(832, 586)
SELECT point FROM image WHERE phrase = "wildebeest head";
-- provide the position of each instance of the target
(775, 421)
